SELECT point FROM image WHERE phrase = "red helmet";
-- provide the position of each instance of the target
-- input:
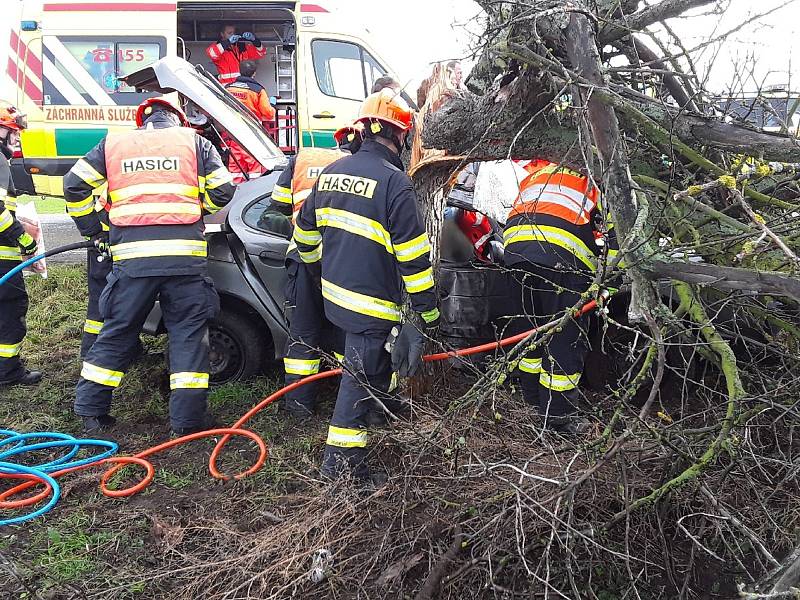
(11, 118)
(386, 106)
(348, 133)
(146, 108)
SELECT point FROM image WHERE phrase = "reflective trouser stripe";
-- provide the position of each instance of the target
(153, 248)
(9, 253)
(531, 365)
(339, 357)
(188, 381)
(559, 383)
(9, 350)
(414, 248)
(92, 327)
(360, 303)
(299, 366)
(419, 282)
(346, 438)
(6, 219)
(100, 375)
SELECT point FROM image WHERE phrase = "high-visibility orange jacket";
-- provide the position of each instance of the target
(152, 177)
(226, 57)
(253, 95)
(158, 231)
(557, 220)
(295, 182)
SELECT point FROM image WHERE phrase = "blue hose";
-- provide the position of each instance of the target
(19, 445)
(38, 257)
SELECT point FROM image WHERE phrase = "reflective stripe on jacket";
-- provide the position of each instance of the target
(554, 220)
(152, 177)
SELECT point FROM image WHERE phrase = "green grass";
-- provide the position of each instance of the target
(45, 205)
(88, 540)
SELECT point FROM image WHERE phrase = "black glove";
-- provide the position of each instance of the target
(100, 241)
(407, 350)
(27, 244)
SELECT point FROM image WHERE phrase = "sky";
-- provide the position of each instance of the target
(429, 30)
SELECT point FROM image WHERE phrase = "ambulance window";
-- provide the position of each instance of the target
(338, 69)
(372, 69)
(132, 57)
(84, 71)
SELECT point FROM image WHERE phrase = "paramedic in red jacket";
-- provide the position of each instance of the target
(233, 49)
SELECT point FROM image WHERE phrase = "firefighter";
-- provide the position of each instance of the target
(15, 243)
(553, 235)
(360, 226)
(232, 49)
(253, 95)
(161, 178)
(304, 307)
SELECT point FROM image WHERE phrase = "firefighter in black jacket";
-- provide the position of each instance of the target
(361, 225)
(305, 310)
(15, 243)
(161, 178)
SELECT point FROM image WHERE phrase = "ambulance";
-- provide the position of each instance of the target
(68, 62)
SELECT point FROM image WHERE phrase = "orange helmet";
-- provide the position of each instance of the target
(348, 133)
(11, 118)
(386, 106)
(146, 109)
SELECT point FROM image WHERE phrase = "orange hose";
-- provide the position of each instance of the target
(119, 462)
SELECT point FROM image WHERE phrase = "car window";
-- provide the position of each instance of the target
(263, 216)
(344, 70)
(86, 71)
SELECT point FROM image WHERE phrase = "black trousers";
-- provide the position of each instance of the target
(307, 323)
(367, 372)
(13, 308)
(187, 303)
(549, 374)
(97, 271)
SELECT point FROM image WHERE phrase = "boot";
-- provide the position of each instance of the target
(296, 410)
(98, 423)
(28, 378)
(571, 425)
(207, 423)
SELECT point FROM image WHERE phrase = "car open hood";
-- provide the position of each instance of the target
(173, 74)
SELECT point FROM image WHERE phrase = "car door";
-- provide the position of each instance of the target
(263, 231)
(338, 74)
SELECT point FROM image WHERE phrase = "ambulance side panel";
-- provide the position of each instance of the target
(83, 47)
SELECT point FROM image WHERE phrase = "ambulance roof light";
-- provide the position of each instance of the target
(29, 26)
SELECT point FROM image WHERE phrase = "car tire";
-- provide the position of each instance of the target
(237, 348)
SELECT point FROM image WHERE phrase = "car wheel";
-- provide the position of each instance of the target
(237, 350)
